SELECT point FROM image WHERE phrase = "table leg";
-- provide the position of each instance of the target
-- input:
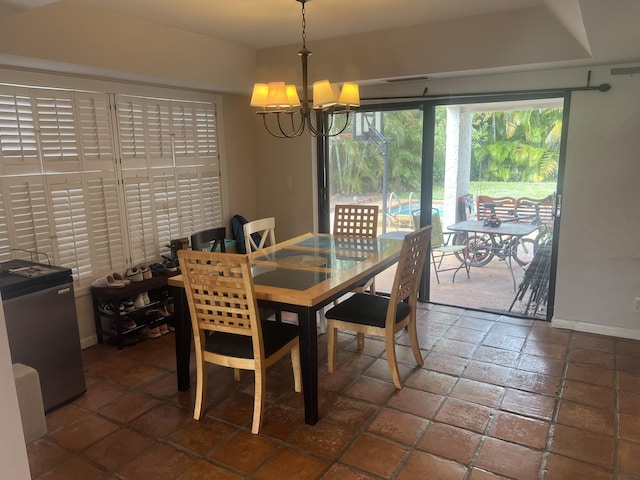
(182, 337)
(309, 363)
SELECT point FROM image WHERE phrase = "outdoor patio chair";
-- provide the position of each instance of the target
(441, 248)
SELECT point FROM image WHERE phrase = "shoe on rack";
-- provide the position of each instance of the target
(106, 282)
(128, 323)
(154, 330)
(139, 301)
(119, 278)
(146, 272)
(129, 305)
(134, 274)
(164, 329)
(106, 308)
(158, 269)
(145, 298)
(171, 265)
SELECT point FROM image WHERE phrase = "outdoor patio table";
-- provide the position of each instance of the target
(517, 230)
(300, 275)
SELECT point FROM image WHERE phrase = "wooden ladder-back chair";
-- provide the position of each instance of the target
(357, 221)
(209, 240)
(382, 316)
(227, 329)
(259, 234)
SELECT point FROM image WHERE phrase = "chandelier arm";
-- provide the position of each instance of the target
(271, 132)
(295, 132)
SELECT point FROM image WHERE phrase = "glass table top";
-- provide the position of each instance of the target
(345, 243)
(287, 278)
(296, 258)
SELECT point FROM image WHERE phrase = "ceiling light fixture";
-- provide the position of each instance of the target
(277, 101)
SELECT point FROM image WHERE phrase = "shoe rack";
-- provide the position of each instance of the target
(110, 325)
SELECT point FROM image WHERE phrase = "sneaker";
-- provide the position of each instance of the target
(106, 308)
(134, 275)
(154, 330)
(129, 306)
(171, 265)
(145, 298)
(164, 329)
(119, 278)
(158, 269)
(128, 323)
(139, 301)
(146, 272)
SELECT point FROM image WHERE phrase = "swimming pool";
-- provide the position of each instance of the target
(406, 209)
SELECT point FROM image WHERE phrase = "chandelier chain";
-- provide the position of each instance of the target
(304, 28)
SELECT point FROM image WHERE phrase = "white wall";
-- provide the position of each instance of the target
(599, 254)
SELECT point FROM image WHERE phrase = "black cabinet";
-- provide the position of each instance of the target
(112, 324)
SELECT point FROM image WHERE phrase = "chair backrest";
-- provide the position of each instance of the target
(503, 207)
(220, 294)
(437, 237)
(356, 221)
(409, 269)
(265, 230)
(209, 239)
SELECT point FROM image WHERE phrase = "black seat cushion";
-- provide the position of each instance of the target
(366, 309)
(274, 335)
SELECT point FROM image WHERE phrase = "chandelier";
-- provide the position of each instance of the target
(285, 116)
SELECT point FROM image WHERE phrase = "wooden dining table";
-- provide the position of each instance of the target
(300, 275)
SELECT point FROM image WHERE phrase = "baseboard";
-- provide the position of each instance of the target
(600, 329)
(88, 341)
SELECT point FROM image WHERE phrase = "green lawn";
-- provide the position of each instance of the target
(505, 189)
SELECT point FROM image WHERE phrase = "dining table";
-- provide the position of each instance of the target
(301, 275)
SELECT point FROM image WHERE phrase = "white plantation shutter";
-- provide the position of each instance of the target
(140, 219)
(99, 181)
(175, 190)
(165, 200)
(96, 138)
(18, 143)
(107, 246)
(70, 220)
(159, 133)
(56, 124)
(132, 132)
(5, 211)
(29, 224)
(200, 198)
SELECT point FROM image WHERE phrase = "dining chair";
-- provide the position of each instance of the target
(209, 239)
(227, 328)
(259, 234)
(357, 221)
(385, 316)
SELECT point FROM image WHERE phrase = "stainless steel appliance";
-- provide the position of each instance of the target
(42, 327)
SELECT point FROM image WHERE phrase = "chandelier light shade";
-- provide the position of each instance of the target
(286, 116)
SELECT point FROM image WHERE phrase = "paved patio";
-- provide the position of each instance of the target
(488, 288)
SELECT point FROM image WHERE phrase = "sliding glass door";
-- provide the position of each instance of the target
(462, 164)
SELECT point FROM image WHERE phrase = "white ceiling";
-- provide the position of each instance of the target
(268, 23)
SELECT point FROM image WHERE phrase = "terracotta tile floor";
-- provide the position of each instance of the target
(497, 398)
